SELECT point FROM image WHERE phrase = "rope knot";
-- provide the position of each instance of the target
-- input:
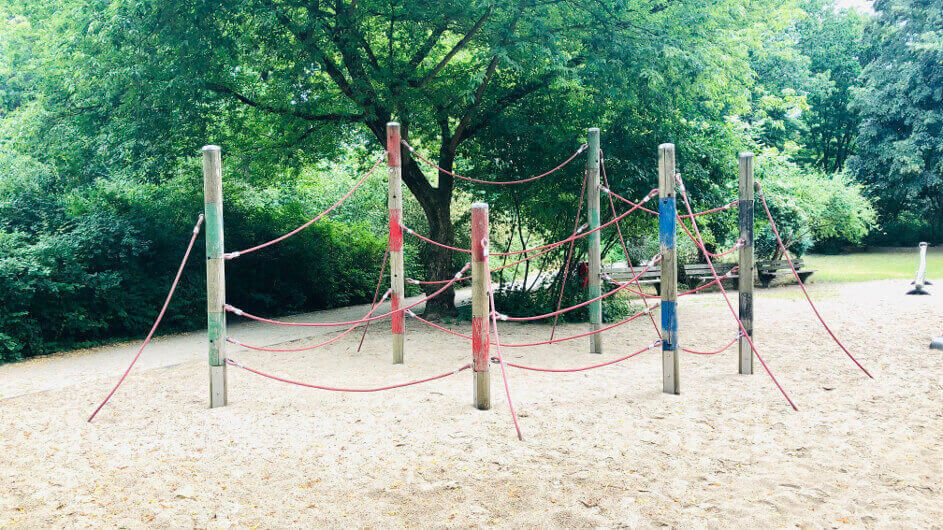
(234, 309)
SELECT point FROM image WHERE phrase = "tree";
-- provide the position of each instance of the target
(831, 40)
(900, 143)
(142, 83)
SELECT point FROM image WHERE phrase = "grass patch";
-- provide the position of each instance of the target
(874, 265)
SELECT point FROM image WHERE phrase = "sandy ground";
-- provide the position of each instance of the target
(602, 448)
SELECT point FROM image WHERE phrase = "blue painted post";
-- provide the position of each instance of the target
(667, 232)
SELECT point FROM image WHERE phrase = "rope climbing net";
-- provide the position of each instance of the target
(485, 316)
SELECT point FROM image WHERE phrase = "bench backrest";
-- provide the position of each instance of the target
(624, 273)
(703, 269)
(775, 265)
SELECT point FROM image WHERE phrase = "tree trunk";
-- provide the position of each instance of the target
(438, 262)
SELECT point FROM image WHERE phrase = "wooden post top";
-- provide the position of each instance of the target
(666, 170)
(208, 148)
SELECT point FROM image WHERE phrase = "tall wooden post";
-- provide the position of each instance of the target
(746, 260)
(395, 203)
(595, 248)
(481, 321)
(215, 273)
(667, 234)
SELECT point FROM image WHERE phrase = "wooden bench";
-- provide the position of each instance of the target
(621, 272)
(767, 271)
(700, 273)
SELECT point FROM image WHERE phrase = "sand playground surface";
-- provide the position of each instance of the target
(602, 448)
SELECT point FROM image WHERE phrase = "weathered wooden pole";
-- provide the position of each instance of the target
(395, 203)
(215, 273)
(594, 241)
(667, 234)
(746, 260)
(481, 310)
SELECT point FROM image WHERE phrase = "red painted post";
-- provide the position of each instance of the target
(481, 310)
(395, 202)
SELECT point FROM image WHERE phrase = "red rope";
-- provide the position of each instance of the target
(341, 389)
(685, 216)
(541, 343)
(715, 352)
(584, 368)
(497, 342)
(548, 246)
(802, 286)
(625, 249)
(373, 308)
(386, 256)
(569, 252)
(434, 242)
(495, 182)
(700, 244)
(349, 322)
(160, 316)
(232, 255)
(584, 303)
(732, 249)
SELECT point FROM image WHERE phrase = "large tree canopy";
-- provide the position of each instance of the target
(278, 82)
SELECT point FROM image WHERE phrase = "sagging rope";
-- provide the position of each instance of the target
(715, 352)
(727, 206)
(497, 340)
(541, 343)
(233, 255)
(651, 264)
(231, 362)
(625, 248)
(240, 312)
(700, 244)
(494, 182)
(815, 310)
(160, 316)
(569, 252)
(584, 368)
(549, 246)
(373, 308)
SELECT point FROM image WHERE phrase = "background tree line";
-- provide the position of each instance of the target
(104, 105)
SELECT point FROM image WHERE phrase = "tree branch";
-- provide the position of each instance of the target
(455, 49)
(336, 117)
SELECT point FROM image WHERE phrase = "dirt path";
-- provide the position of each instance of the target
(602, 448)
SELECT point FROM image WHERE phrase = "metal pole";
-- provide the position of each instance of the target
(594, 241)
(215, 273)
(667, 228)
(746, 260)
(481, 321)
(395, 203)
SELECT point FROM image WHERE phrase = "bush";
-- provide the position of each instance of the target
(95, 263)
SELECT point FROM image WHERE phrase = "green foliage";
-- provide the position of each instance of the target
(808, 206)
(900, 147)
(516, 301)
(95, 263)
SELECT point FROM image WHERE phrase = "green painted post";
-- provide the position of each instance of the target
(595, 246)
(215, 273)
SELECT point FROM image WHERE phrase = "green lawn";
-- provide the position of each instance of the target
(874, 265)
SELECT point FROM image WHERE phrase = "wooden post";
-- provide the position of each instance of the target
(395, 203)
(481, 306)
(595, 248)
(215, 273)
(667, 234)
(746, 260)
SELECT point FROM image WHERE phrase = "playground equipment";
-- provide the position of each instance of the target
(485, 318)
(921, 278)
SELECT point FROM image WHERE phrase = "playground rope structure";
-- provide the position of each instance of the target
(579, 231)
